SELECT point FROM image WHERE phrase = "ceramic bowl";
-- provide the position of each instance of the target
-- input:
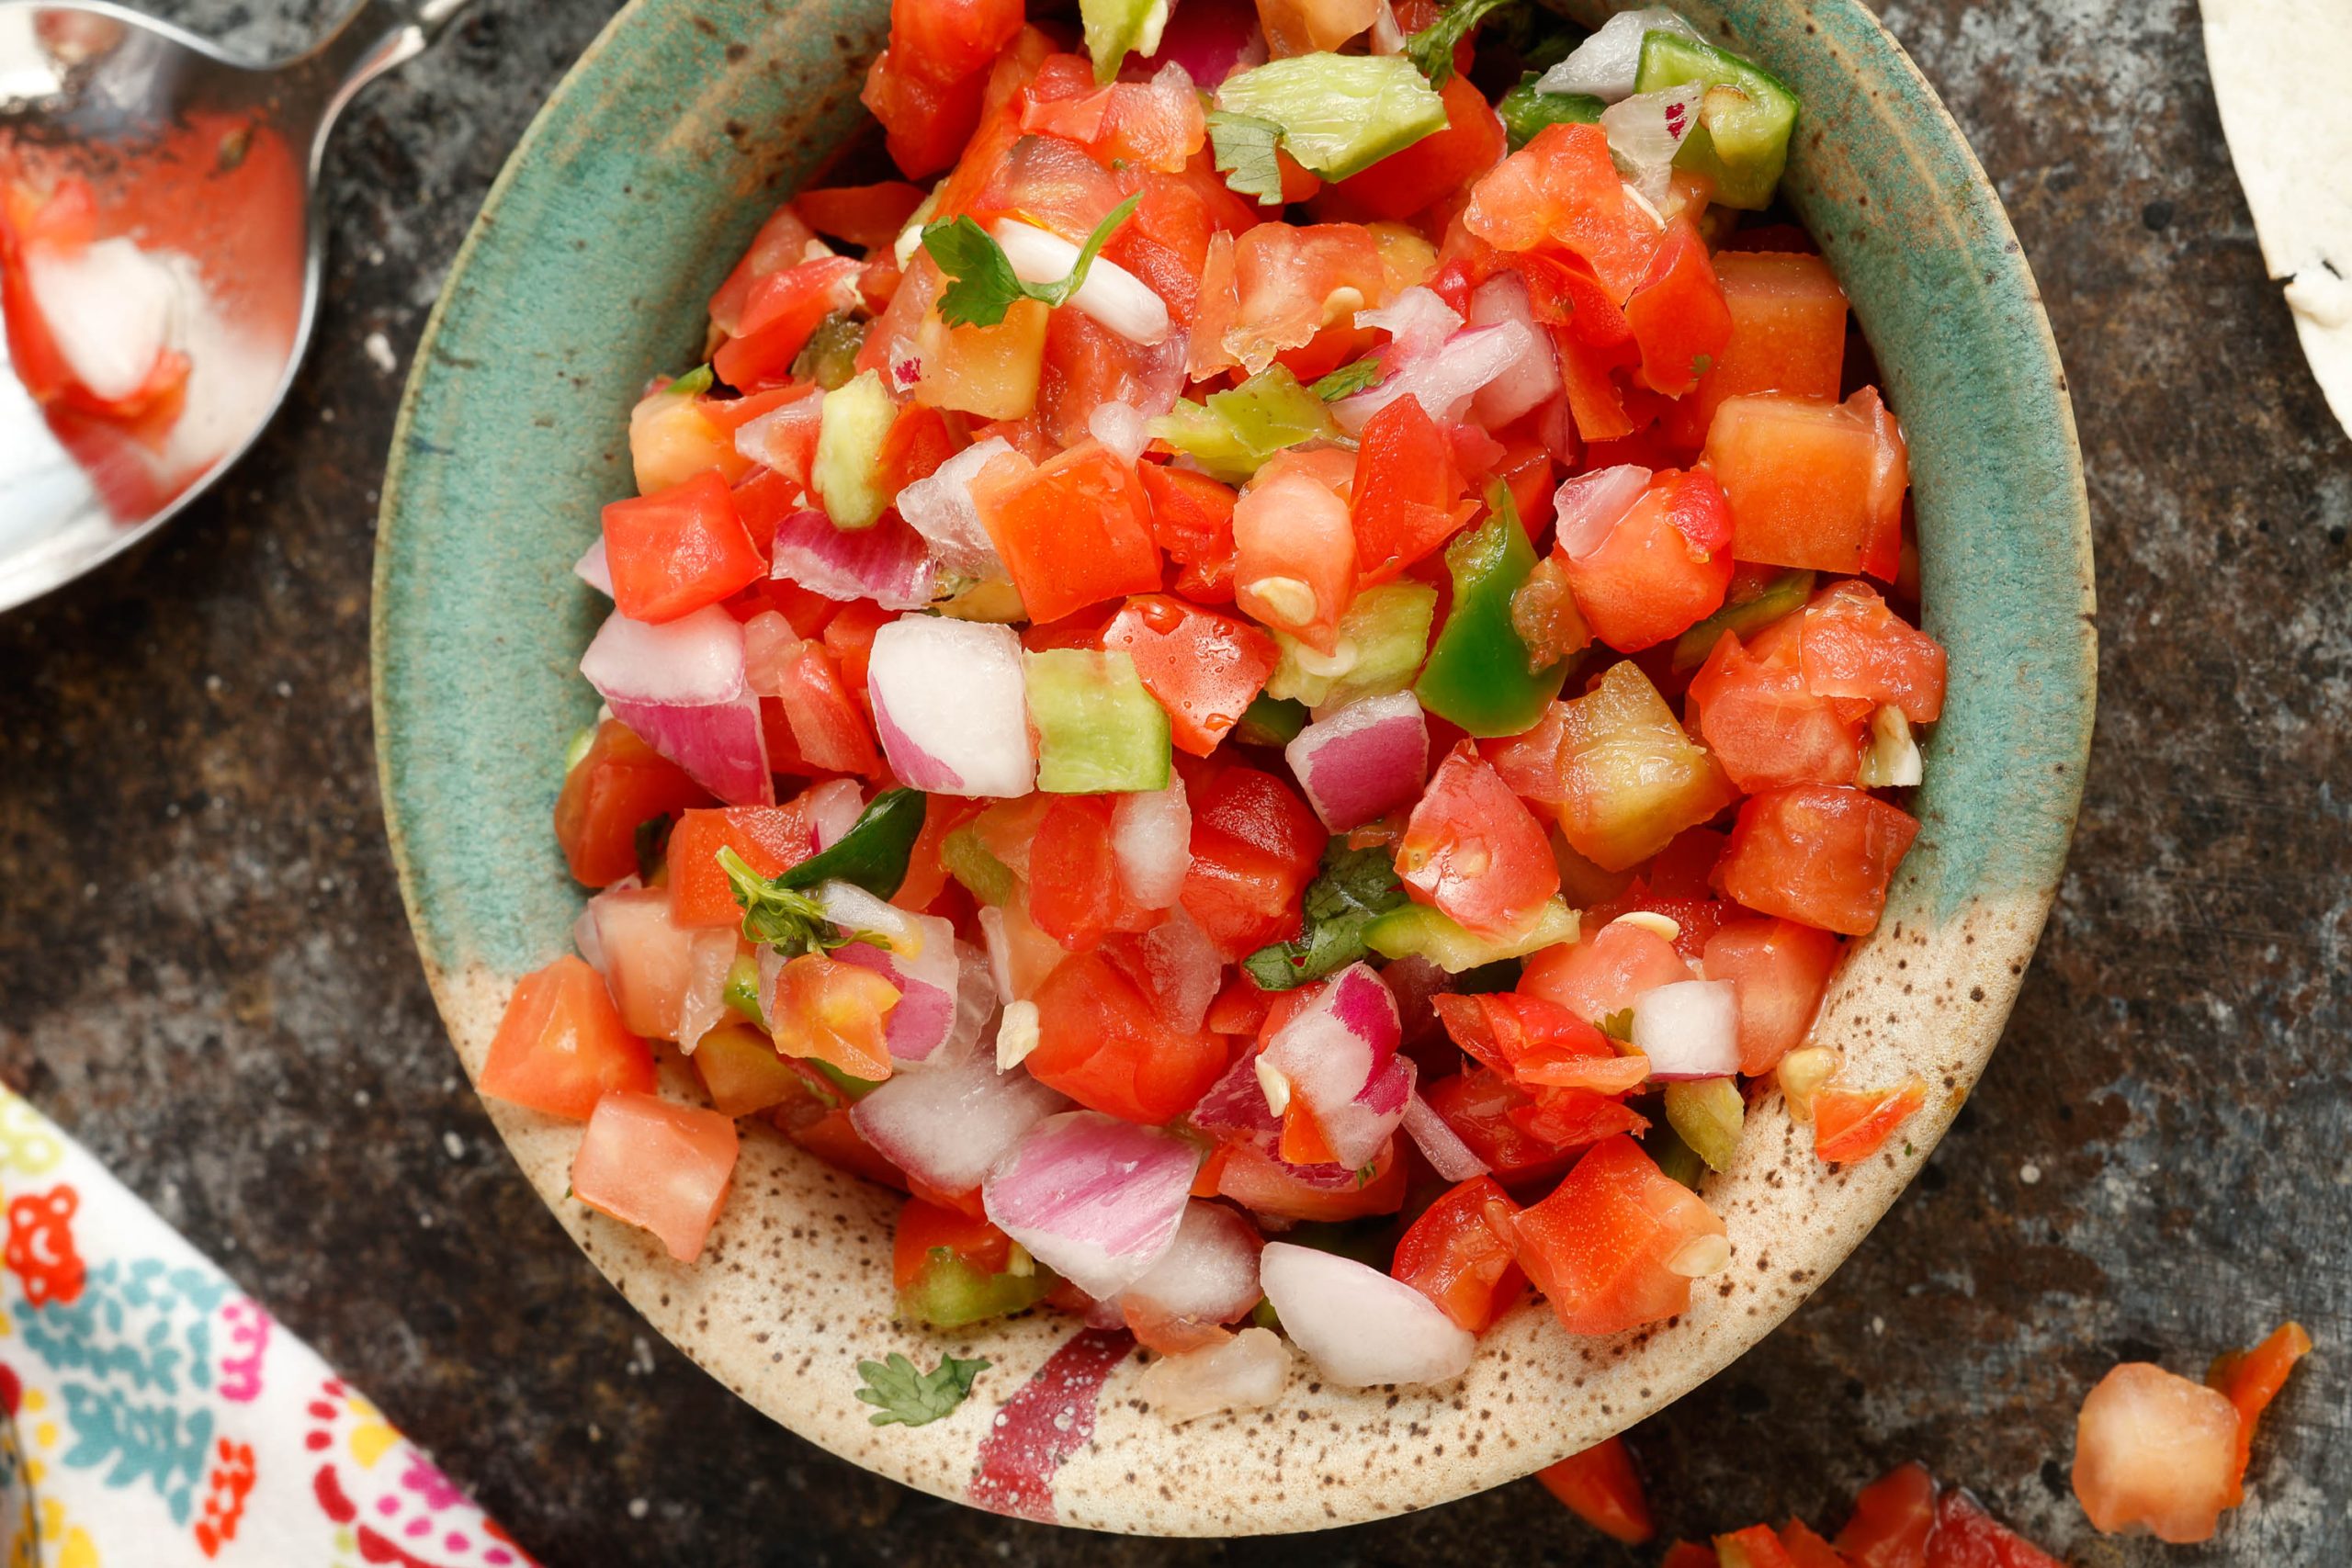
(630, 197)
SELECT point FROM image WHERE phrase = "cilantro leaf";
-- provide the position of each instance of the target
(1432, 49)
(1245, 154)
(1353, 887)
(693, 384)
(914, 1398)
(779, 917)
(1347, 380)
(983, 285)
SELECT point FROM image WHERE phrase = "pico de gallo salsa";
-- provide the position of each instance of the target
(1272, 686)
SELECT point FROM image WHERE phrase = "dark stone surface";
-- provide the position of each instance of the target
(204, 971)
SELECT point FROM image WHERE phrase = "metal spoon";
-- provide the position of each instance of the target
(209, 165)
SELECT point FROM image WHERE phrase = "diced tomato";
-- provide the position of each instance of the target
(868, 217)
(849, 636)
(779, 315)
(1677, 314)
(654, 1163)
(1265, 1186)
(1459, 1254)
(925, 124)
(1407, 496)
(829, 728)
(673, 552)
(1682, 1554)
(1755, 1547)
(1893, 1518)
(1436, 166)
(835, 1012)
(916, 443)
(1753, 710)
(1779, 970)
(1255, 848)
(1812, 484)
(1309, 26)
(781, 244)
(1103, 1043)
(948, 39)
(1606, 1246)
(561, 1045)
(1286, 277)
(1851, 1124)
(1203, 667)
(1788, 335)
(771, 839)
(1808, 1549)
(1602, 1488)
(1819, 854)
(1240, 1007)
(743, 1073)
(1626, 775)
(1295, 549)
(1477, 1105)
(1474, 851)
(618, 786)
(2251, 1378)
(1968, 1536)
(1192, 521)
(1563, 186)
(672, 438)
(1851, 646)
(1663, 566)
(926, 1228)
(1073, 531)
(2155, 1451)
(1539, 1043)
(1075, 893)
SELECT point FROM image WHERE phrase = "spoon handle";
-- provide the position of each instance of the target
(374, 38)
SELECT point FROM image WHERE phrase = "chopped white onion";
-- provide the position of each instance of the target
(1526, 385)
(1417, 322)
(705, 1005)
(1647, 130)
(1360, 1327)
(951, 706)
(694, 660)
(1246, 1371)
(1207, 1275)
(939, 508)
(1111, 294)
(1587, 507)
(1363, 761)
(1606, 64)
(1152, 843)
(948, 1123)
(1119, 427)
(1448, 378)
(833, 808)
(1688, 1029)
(1443, 1147)
(594, 570)
(1093, 1198)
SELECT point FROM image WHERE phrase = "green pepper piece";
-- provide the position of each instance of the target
(1379, 645)
(950, 1294)
(742, 990)
(1098, 728)
(873, 853)
(1784, 595)
(1708, 1113)
(1232, 433)
(1476, 676)
(1677, 1159)
(1417, 929)
(1525, 111)
(1339, 114)
(1271, 721)
(1355, 888)
(1741, 142)
(852, 1087)
(969, 860)
(1263, 1315)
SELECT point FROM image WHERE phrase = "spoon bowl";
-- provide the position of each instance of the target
(201, 170)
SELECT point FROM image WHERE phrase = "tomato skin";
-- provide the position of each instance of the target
(1203, 667)
(923, 1226)
(1458, 1254)
(1893, 1518)
(1192, 521)
(1851, 646)
(868, 217)
(1780, 970)
(1408, 496)
(1075, 893)
(1819, 854)
(1099, 1041)
(1602, 1488)
(1265, 1186)
(561, 1045)
(657, 1164)
(779, 315)
(779, 245)
(2251, 1380)
(925, 124)
(1853, 1124)
(1679, 316)
(771, 839)
(1810, 484)
(1073, 532)
(1600, 1244)
(1752, 708)
(1661, 569)
(1474, 851)
(1438, 164)
(829, 728)
(619, 784)
(1788, 335)
(1255, 847)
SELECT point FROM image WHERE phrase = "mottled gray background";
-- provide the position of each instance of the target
(204, 972)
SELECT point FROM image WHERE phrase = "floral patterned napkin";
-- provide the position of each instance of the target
(162, 1419)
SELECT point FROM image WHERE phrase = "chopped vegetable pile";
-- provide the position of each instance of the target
(1273, 696)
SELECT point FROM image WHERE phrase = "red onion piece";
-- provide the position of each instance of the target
(949, 1122)
(1440, 1143)
(1212, 39)
(1151, 842)
(833, 808)
(694, 660)
(1095, 1199)
(1362, 762)
(1339, 1054)
(1360, 1327)
(720, 745)
(1503, 298)
(951, 706)
(1688, 1029)
(1446, 379)
(1235, 1112)
(1644, 131)
(888, 563)
(1590, 506)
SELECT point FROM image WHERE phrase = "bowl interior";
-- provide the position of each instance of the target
(627, 201)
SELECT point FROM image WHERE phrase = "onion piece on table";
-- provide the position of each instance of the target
(1151, 842)
(1111, 295)
(1246, 1371)
(1362, 762)
(948, 1123)
(1208, 1276)
(951, 704)
(1095, 1199)
(1605, 65)
(1338, 1054)
(1359, 1327)
(888, 563)
(941, 509)
(1688, 1029)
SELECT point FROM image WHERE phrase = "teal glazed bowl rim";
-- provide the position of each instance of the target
(586, 272)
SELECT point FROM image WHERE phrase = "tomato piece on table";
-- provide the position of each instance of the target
(1603, 1489)
(1658, 570)
(1618, 1243)
(1266, 1186)
(561, 1045)
(836, 1013)
(1101, 1042)
(656, 1164)
(1819, 854)
(1849, 645)
(1627, 775)
(1459, 1254)
(1683, 1554)
(1850, 1124)
(1808, 1549)
(1073, 531)
(1439, 165)
(1752, 707)
(1192, 520)
(1204, 668)
(1680, 319)
(771, 839)
(1256, 846)
(2251, 1380)
(1892, 1518)
(1075, 892)
(1472, 850)
(1779, 970)
(675, 551)
(1788, 335)
(1812, 484)
(1968, 1536)
(1407, 495)
(620, 784)
(1755, 1547)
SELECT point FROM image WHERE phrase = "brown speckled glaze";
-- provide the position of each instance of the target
(477, 629)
